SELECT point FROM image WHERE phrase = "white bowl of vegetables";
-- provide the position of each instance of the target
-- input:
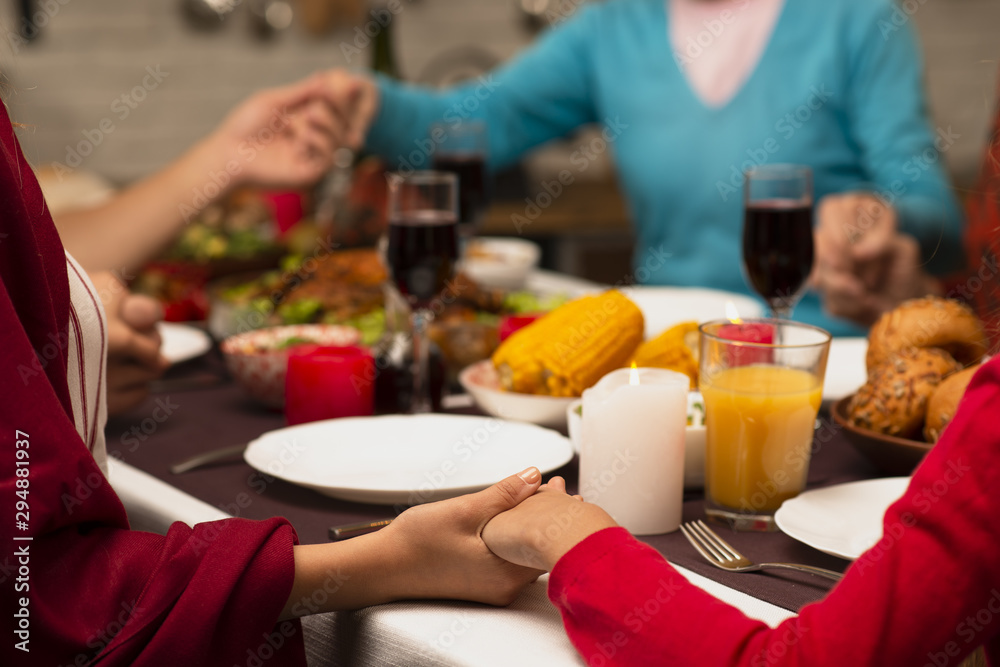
(694, 440)
(500, 262)
(258, 360)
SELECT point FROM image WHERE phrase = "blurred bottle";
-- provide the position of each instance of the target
(383, 55)
(394, 361)
(394, 351)
(349, 202)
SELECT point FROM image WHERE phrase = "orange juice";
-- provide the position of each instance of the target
(759, 423)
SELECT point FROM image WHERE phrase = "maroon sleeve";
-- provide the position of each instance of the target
(77, 584)
(927, 594)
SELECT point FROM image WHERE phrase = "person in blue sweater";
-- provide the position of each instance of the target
(691, 94)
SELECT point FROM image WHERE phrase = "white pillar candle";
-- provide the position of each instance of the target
(632, 450)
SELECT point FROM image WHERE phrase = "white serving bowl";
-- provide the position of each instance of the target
(256, 363)
(482, 382)
(694, 439)
(500, 262)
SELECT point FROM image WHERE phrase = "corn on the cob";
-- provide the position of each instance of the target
(572, 347)
(675, 349)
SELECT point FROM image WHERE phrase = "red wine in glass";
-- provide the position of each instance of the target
(778, 250)
(421, 254)
(471, 171)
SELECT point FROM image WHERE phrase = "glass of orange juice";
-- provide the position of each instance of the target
(762, 382)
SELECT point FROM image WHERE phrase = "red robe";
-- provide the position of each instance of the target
(927, 594)
(85, 588)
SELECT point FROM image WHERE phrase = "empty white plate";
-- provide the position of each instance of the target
(843, 520)
(845, 368)
(405, 459)
(182, 342)
(664, 307)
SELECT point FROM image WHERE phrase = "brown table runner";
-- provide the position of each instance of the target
(172, 426)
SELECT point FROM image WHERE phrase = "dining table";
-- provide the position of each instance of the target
(198, 407)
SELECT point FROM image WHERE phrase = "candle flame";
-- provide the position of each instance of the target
(732, 314)
(633, 376)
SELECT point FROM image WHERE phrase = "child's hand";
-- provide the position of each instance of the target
(440, 551)
(541, 529)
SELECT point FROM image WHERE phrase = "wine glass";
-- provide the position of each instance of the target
(461, 148)
(421, 254)
(777, 233)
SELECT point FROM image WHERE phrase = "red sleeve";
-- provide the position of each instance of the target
(927, 594)
(78, 585)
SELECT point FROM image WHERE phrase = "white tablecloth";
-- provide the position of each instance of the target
(414, 634)
(417, 634)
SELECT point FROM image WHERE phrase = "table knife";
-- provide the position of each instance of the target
(355, 529)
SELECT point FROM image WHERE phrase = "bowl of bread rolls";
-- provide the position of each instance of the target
(920, 359)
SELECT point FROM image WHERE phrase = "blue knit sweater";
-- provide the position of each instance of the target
(837, 88)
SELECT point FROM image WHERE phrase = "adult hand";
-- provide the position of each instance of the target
(280, 137)
(134, 358)
(356, 99)
(539, 531)
(440, 551)
(864, 266)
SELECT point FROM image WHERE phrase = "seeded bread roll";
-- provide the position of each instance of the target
(894, 400)
(944, 401)
(925, 323)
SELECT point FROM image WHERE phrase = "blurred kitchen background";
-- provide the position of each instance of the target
(89, 53)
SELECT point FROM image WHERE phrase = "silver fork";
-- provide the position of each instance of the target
(718, 552)
(209, 457)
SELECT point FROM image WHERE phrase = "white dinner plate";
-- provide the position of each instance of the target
(664, 307)
(405, 459)
(182, 342)
(843, 520)
(845, 368)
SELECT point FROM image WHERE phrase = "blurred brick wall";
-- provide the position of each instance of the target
(961, 44)
(92, 52)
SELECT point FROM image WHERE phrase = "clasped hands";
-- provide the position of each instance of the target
(864, 266)
(485, 546)
(285, 137)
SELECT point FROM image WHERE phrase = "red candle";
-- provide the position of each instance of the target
(511, 323)
(748, 332)
(326, 382)
(286, 208)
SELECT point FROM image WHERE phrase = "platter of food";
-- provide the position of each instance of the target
(350, 288)
(233, 236)
(340, 287)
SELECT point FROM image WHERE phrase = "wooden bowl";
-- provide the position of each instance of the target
(896, 456)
